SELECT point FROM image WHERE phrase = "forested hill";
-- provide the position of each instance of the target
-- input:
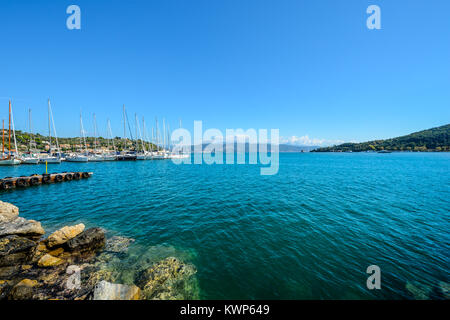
(434, 139)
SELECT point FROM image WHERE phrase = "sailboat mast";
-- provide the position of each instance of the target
(3, 137)
(54, 130)
(124, 130)
(111, 135)
(136, 129)
(144, 133)
(168, 137)
(9, 131)
(95, 135)
(30, 129)
(153, 137)
(156, 133)
(14, 132)
(49, 128)
(82, 134)
(164, 133)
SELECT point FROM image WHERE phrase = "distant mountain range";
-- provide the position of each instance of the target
(434, 139)
(282, 148)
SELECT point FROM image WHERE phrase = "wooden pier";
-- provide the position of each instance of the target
(38, 179)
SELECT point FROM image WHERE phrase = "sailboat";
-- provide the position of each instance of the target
(30, 157)
(157, 155)
(51, 123)
(125, 155)
(181, 154)
(110, 156)
(79, 157)
(143, 154)
(96, 157)
(9, 159)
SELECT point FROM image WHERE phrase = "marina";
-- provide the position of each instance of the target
(137, 147)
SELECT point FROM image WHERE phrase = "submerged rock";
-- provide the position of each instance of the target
(88, 241)
(168, 279)
(22, 227)
(445, 289)
(110, 291)
(118, 244)
(64, 234)
(418, 290)
(8, 211)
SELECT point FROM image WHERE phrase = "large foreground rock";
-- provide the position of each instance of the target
(15, 251)
(12, 244)
(88, 241)
(110, 291)
(63, 235)
(8, 211)
(22, 227)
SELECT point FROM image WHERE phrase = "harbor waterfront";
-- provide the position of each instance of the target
(308, 232)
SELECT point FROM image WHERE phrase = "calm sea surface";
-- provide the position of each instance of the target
(308, 232)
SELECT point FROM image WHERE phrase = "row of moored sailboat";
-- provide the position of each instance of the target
(11, 156)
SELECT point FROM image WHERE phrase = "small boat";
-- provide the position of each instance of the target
(384, 151)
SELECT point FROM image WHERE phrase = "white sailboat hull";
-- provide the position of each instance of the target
(96, 158)
(50, 160)
(30, 160)
(77, 159)
(110, 158)
(9, 162)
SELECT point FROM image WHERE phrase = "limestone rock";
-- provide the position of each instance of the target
(88, 241)
(12, 244)
(8, 211)
(110, 291)
(64, 234)
(118, 244)
(22, 227)
(168, 279)
(23, 290)
(49, 261)
(56, 252)
(5, 287)
(9, 272)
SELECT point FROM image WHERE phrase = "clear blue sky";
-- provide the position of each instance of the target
(305, 67)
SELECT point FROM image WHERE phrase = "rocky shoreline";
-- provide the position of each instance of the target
(75, 263)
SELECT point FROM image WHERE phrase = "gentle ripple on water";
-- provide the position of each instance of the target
(308, 232)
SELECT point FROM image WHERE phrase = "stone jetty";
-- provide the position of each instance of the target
(74, 263)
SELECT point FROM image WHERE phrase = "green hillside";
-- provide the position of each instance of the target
(434, 139)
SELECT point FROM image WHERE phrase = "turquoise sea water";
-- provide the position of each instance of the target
(308, 232)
